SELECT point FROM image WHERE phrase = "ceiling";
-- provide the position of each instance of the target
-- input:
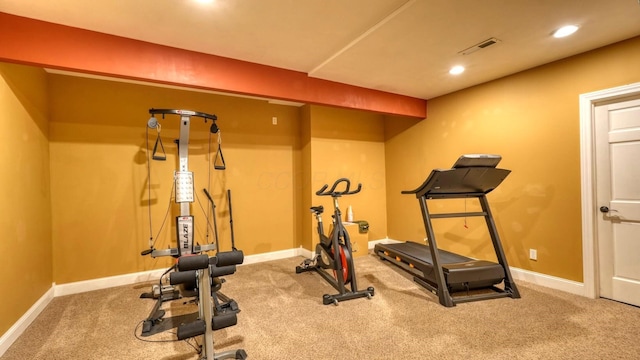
(399, 46)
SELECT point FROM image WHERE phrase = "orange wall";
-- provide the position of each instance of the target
(532, 120)
(340, 143)
(99, 174)
(349, 144)
(24, 180)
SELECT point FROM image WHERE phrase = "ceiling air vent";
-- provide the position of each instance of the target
(479, 46)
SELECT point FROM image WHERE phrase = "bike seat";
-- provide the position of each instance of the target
(317, 209)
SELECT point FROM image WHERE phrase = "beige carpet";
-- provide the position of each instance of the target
(283, 317)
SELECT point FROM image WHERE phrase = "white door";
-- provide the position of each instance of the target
(617, 144)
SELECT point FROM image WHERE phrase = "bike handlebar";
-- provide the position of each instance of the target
(333, 193)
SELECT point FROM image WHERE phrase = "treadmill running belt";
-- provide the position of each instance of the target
(460, 271)
(422, 253)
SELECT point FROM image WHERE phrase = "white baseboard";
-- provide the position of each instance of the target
(373, 243)
(107, 282)
(274, 255)
(548, 281)
(306, 253)
(9, 337)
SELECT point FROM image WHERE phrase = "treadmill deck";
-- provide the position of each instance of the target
(460, 272)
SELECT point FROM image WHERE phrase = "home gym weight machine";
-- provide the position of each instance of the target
(334, 252)
(195, 272)
(443, 272)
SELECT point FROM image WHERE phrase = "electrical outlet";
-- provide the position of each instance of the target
(274, 120)
(533, 254)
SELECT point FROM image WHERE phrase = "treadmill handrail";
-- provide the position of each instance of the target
(458, 181)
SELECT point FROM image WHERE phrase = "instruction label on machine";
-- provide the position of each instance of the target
(184, 229)
(184, 186)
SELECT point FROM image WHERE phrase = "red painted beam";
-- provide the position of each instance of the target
(39, 43)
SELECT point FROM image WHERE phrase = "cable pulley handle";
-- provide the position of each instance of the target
(219, 164)
(163, 155)
(332, 192)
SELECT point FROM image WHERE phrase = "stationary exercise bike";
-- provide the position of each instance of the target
(333, 258)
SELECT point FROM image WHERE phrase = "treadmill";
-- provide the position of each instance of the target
(445, 273)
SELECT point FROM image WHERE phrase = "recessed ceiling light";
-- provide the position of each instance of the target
(565, 31)
(456, 70)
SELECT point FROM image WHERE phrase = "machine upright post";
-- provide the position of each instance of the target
(509, 284)
(207, 311)
(443, 292)
(183, 154)
(184, 189)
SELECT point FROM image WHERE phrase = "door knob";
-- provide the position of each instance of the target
(605, 209)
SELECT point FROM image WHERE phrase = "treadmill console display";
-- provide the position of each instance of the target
(477, 160)
(471, 174)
